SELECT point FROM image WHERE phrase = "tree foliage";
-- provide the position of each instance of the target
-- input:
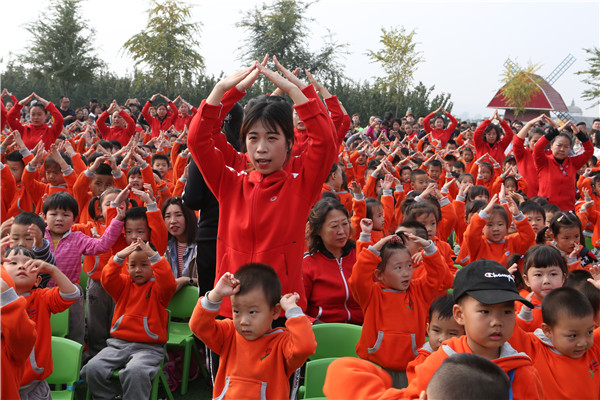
(281, 29)
(399, 59)
(592, 76)
(167, 47)
(62, 49)
(520, 85)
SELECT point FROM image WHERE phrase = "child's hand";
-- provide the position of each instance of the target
(289, 300)
(464, 188)
(417, 258)
(491, 204)
(595, 271)
(120, 214)
(355, 188)
(576, 250)
(40, 267)
(5, 227)
(123, 254)
(366, 225)
(123, 195)
(449, 183)
(227, 286)
(419, 241)
(388, 181)
(512, 206)
(143, 195)
(145, 246)
(3, 286)
(5, 243)
(391, 238)
(513, 269)
(10, 139)
(37, 235)
(586, 194)
(428, 190)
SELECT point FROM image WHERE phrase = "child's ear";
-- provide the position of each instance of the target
(377, 273)
(526, 279)
(276, 311)
(38, 281)
(547, 330)
(457, 311)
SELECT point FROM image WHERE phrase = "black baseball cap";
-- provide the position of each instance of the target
(488, 282)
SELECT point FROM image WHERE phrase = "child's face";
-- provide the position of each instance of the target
(510, 187)
(420, 182)
(467, 156)
(430, 224)
(487, 326)
(139, 267)
(536, 221)
(397, 272)
(24, 279)
(136, 181)
(161, 166)
(54, 176)
(100, 183)
(495, 230)
(136, 228)
(16, 169)
(572, 336)
(20, 237)
(435, 172)
(378, 219)
(175, 220)
(595, 187)
(106, 203)
(567, 238)
(267, 150)
(59, 221)
(361, 160)
(405, 176)
(252, 314)
(542, 280)
(482, 197)
(485, 173)
(440, 329)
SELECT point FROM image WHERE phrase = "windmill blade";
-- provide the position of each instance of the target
(511, 64)
(562, 67)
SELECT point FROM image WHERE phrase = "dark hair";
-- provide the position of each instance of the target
(468, 376)
(419, 228)
(560, 220)
(543, 256)
(562, 135)
(260, 276)
(459, 165)
(578, 279)
(474, 206)
(435, 163)
(160, 157)
(549, 207)
(49, 161)
(105, 144)
(565, 301)
(19, 249)
(501, 211)
(443, 307)
(415, 173)
(134, 171)
(61, 201)
(96, 202)
(191, 222)
(274, 115)
(487, 165)
(15, 156)
(387, 250)
(334, 168)
(511, 179)
(28, 218)
(371, 203)
(116, 144)
(135, 214)
(477, 190)
(316, 219)
(531, 207)
(489, 128)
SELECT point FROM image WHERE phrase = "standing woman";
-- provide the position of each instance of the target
(37, 130)
(164, 118)
(122, 126)
(487, 138)
(524, 155)
(437, 131)
(557, 171)
(328, 264)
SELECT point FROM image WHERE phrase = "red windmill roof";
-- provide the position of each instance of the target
(545, 99)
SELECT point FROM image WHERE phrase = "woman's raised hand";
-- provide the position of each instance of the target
(227, 83)
(289, 75)
(318, 87)
(284, 84)
(249, 80)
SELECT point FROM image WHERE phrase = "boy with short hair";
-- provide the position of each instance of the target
(484, 293)
(419, 179)
(535, 215)
(139, 327)
(255, 360)
(566, 349)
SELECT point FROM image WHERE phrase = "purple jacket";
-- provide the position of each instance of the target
(73, 245)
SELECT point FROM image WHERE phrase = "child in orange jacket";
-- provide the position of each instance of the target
(255, 361)
(139, 327)
(394, 306)
(565, 351)
(565, 234)
(486, 235)
(484, 293)
(24, 269)
(544, 270)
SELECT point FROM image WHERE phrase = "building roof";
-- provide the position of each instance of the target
(545, 99)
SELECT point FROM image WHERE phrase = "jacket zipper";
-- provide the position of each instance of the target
(252, 218)
(345, 286)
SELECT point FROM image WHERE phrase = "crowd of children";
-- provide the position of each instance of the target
(459, 248)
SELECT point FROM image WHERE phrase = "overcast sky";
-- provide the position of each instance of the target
(464, 44)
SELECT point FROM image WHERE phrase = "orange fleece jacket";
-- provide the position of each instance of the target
(254, 368)
(141, 310)
(395, 321)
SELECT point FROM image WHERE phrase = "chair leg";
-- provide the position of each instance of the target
(186, 367)
(200, 362)
(165, 384)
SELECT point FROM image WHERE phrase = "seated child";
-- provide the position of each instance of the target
(139, 326)
(393, 341)
(24, 269)
(484, 293)
(535, 215)
(565, 351)
(256, 361)
(544, 270)
(441, 326)
(462, 376)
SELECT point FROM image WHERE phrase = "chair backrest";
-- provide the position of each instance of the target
(83, 278)
(183, 302)
(59, 323)
(336, 340)
(66, 362)
(315, 377)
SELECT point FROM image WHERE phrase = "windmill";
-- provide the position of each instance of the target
(546, 100)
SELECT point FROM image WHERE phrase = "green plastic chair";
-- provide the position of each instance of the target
(59, 323)
(66, 364)
(83, 278)
(182, 305)
(588, 243)
(335, 340)
(314, 378)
